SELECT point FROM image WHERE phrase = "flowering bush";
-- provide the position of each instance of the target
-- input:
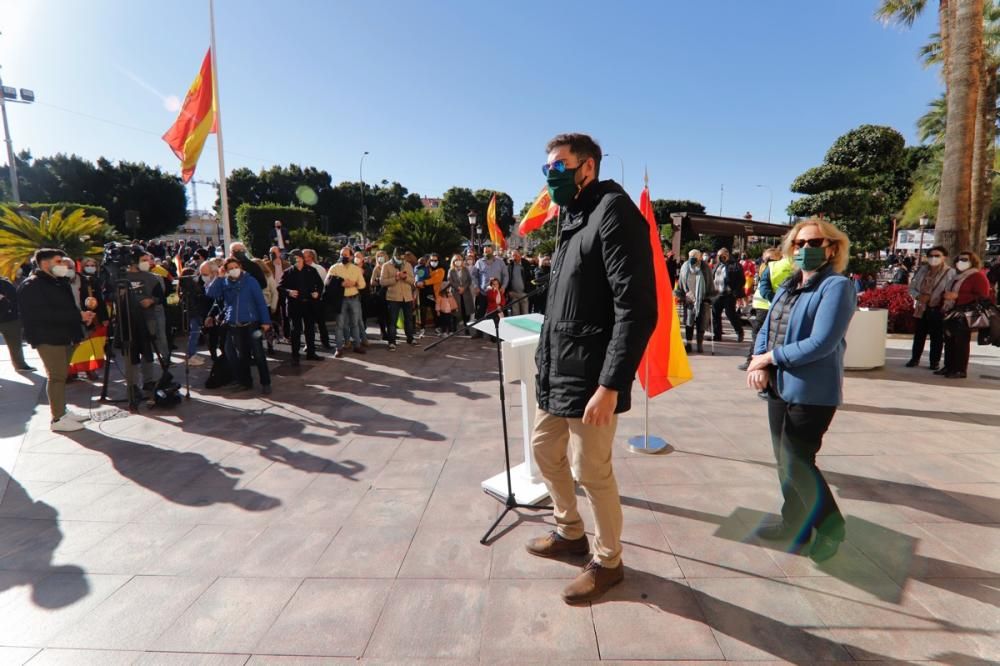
(897, 300)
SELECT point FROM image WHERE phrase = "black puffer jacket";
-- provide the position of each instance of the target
(601, 304)
(49, 314)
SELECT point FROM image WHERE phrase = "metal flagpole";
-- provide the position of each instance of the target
(647, 444)
(223, 194)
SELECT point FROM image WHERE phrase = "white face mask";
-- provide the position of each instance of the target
(219, 254)
(935, 261)
(434, 264)
(963, 265)
(60, 271)
(144, 266)
(458, 264)
(90, 270)
(380, 260)
(234, 273)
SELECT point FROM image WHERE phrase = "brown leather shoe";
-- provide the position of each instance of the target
(359, 349)
(592, 582)
(553, 545)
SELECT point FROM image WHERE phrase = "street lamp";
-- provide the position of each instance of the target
(924, 221)
(770, 200)
(9, 94)
(622, 165)
(364, 209)
(472, 227)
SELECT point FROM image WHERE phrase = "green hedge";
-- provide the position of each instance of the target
(254, 224)
(36, 209)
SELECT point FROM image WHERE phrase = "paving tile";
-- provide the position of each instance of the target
(457, 505)
(282, 551)
(966, 606)
(276, 660)
(430, 619)
(709, 551)
(231, 616)
(53, 467)
(511, 560)
(375, 552)
(649, 617)
(11, 656)
(755, 618)
(528, 620)
(131, 548)
(190, 659)
(56, 657)
(400, 474)
(135, 615)
(327, 617)
(206, 550)
(447, 552)
(645, 549)
(389, 508)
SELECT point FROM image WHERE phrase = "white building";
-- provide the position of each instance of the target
(909, 239)
(201, 226)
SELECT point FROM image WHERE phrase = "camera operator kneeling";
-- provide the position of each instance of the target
(246, 314)
(52, 323)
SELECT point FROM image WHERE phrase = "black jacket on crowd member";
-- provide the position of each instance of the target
(304, 281)
(527, 274)
(49, 314)
(333, 296)
(601, 304)
(255, 271)
(8, 304)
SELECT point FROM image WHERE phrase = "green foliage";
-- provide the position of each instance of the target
(304, 238)
(458, 201)
(254, 224)
(704, 243)
(158, 197)
(421, 232)
(825, 177)
(547, 246)
(920, 203)
(870, 149)
(930, 126)
(36, 209)
(662, 208)
(837, 204)
(863, 266)
(21, 235)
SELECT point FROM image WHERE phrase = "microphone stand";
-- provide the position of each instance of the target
(510, 503)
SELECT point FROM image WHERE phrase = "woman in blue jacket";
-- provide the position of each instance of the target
(799, 362)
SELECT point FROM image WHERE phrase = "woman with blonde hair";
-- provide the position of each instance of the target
(798, 364)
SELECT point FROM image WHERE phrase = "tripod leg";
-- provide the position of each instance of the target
(503, 514)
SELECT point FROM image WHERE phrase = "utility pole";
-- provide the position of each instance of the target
(10, 95)
(722, 196)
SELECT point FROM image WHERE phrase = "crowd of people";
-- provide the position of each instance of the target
(188, 298)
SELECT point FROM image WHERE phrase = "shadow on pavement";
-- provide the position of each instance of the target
(957, 417)
(181, 477)
(27, 547)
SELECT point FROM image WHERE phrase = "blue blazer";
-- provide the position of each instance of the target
(810, 362)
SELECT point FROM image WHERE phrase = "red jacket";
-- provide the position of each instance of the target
(975, 288)
(495, 299)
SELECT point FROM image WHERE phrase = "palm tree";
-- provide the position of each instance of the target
(421, 232)
(21, 235)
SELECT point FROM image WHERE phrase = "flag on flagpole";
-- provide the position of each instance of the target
(540, 212)
(496, 235)
(665, 364)
(196, 120)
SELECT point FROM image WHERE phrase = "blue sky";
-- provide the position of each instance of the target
(446, 92)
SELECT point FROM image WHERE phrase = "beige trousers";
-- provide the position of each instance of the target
(55, 358)
(561, 444)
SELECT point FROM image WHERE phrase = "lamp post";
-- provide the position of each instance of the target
(622, 162)
(924, 221)
(770, 200)
(472, 228)
(364, 209)
(9, 94)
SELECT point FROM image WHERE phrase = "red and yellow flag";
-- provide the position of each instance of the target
(195, 122)
(540, 212)
(665, 363)
(496, 235)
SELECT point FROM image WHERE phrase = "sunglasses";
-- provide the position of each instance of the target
(558, 166)
(811, 242)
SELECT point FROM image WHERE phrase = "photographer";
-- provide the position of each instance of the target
(196, 305)
(52, 324)
(156, 313)
(247, 316)
(145, 296)
(301, 286)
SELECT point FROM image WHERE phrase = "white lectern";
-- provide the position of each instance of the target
(519, 340)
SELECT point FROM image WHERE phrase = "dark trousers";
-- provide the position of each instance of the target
(958, 337)
(930, 324)
(797, 435)
(480, 311)
(394, 309)
(381, 314)
(243, 347)
(11, 332)
(296, 317)
(699, 326)
(318, 311)
(756, 323)
(727, 303)
(216, 340)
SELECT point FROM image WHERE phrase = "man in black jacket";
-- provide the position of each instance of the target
(302, 287)
(10, 324)
(600, 313)
(52, 324)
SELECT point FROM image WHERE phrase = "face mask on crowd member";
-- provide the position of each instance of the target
(569, 169)
(345, 256)
(90, 268)
(935, 260)
(963, 263)
(70, 267)
(435, 261)
(144, 265)
(359, 260)
(812, 249)
(694, 256)
(233, 270)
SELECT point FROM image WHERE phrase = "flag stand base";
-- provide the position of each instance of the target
(644, 444)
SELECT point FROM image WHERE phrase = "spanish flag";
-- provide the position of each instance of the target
(496, 235)
(540, 212)
(665, 363)
(196, 120)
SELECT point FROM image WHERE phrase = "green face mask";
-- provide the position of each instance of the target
(810, 258)
(562, 186)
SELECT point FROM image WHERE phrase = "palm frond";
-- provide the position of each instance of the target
(21, 235)
(900, 12)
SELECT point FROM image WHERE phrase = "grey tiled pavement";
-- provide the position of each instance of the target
(339, 520)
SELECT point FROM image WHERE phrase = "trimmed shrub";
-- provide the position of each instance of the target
(254, 224)
(897, 300)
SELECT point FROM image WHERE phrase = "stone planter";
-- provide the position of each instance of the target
(866, 339)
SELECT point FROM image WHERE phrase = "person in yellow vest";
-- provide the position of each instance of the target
(774, 270)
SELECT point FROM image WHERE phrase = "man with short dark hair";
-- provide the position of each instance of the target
(600, 313)
(53, 324)
(521, 276)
